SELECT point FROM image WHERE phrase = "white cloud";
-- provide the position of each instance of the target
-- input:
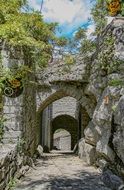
(69, 14)
(34, 4)
(65, 11)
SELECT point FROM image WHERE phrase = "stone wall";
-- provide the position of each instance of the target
(65, 144)
(64, 106)
(62, 140)
(13, 111)
(12, 107)
(17, 113)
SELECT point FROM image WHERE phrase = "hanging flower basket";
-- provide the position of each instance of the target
(13, 88)
(15, 83)
(114, 7)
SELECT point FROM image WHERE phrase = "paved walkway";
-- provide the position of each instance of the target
(61, 172)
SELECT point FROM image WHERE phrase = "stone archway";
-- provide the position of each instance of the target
(56, 92)
(68, 123)
(63, 106)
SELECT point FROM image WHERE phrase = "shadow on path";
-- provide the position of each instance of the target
(62, 173)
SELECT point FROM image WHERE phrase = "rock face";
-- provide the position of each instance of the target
(91, 134)
(86, 152)
(106, 127)
(118, 139)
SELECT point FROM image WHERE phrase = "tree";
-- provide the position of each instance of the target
(26, 30)
(98, 13)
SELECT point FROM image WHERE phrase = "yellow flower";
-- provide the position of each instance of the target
(15, 83)
(114, 7)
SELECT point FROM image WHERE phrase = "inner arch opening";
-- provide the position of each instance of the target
(66, 113)
(68, 123)
(62, 140)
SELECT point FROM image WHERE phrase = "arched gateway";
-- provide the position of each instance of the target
(88, 81)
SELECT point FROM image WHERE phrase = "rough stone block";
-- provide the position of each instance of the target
(86, 152)
(91, 134)
(3, 185)
(105, 151)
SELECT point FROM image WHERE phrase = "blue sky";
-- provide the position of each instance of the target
(69, 14)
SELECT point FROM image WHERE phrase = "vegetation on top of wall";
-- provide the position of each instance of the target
(98, 13)
(107, 60)
(12, 184)
(69, 59)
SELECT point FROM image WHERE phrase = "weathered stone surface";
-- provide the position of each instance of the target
(40, 150)
(2, 185)
(103, 150)
(91, 134)
(101, 162)
(86, 152)
(63, 72)
(102, 118)
(118, 140)
(8, 164)
(22, 172)
(64, 106)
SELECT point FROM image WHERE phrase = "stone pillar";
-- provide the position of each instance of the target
(85, 119)
(46, 127)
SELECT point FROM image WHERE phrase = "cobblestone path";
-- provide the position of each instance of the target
(61, 172)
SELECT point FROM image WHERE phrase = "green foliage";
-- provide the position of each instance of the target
(122, 8)
(114, 108)
(69, 59)
(80, 34)
(20, 145)
(62, 41)
(80, 44)
(12, 183)
(98, 13)
(87, 46)
(116, 82)
(106, 56)
(26, 30)
(2, 120)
